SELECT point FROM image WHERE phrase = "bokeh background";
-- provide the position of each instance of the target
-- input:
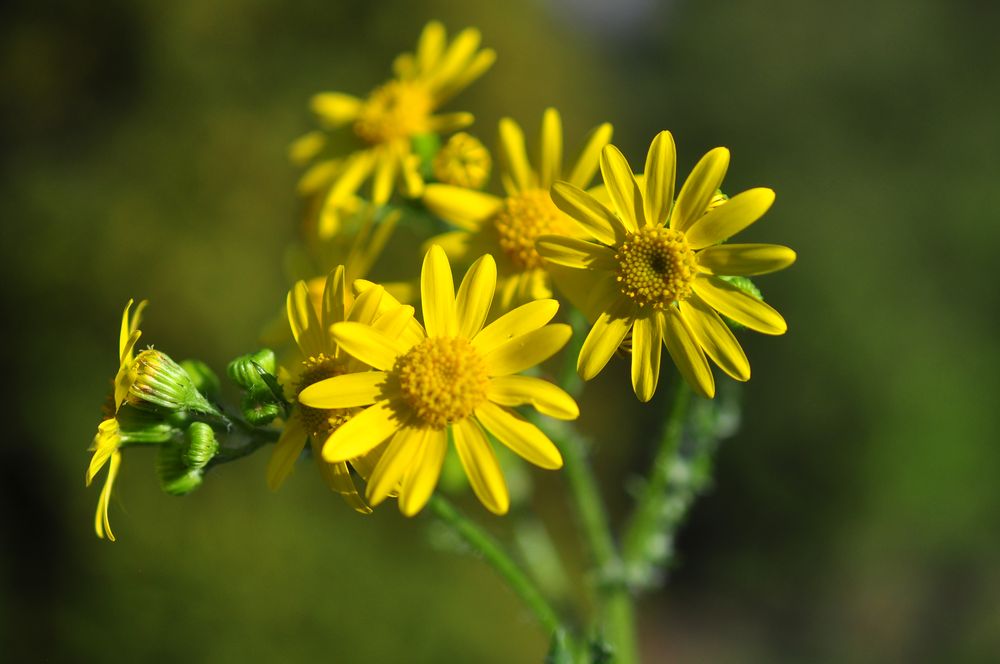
(856, 516)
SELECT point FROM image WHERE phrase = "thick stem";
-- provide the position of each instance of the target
(491, 550)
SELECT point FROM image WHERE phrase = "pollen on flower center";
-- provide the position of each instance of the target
(398, 109)
(442, 380)
(522, 218)
(320, 422)
(656, 267)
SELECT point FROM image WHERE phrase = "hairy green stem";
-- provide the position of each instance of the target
(647, 517)
(491, 550)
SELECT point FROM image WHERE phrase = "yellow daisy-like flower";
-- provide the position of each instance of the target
(652, 267)
(391, 117)
(507, 227)
(322, 358)
(108, 440)
(456, 376)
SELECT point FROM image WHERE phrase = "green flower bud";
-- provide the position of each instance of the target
(200, 445)
(176, 478)
(205, 380)
(142, 426)
(254, 373)
(160, 384)
(244, 370)
(259, 412)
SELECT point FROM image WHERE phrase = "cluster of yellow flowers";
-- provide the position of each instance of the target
(379, 391)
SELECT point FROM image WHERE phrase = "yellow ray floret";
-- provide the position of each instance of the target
(456, 375)
(508, 226)
(650, 266)
(388, 120)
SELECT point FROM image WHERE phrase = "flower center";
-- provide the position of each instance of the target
(522, 218)
(398, 109)
(442, 380)
(320, 422)
(656, 267)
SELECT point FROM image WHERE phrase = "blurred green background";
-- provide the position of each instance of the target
(856, 516)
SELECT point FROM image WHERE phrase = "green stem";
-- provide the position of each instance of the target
(615, 609)
(500, 560)
(645, 523)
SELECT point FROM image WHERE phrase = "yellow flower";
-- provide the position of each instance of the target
(456, 376)
(108, 440)
(321, 358)
(390, 118)
(507, 227)
(653, 267)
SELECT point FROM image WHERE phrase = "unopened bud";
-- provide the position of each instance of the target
(176, 478)
(161, 384)
(200, 445)
(463, 162)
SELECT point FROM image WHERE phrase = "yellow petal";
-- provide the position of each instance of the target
(102, 525)
(604, 339)
(430, 45)
(422, 475)
(449, 122)
(286, 452)
(396, 460)
(346, 391)
(715, 337)
(745, 309)
(317, 176)
(367, 344)
(590, 155)
(396, 322)
(513, 156)
(475, 296)
(303, 321)
(704, 180)
(481, 466)
(106, 442)
(550, 159)
(455, 58)
(521, 320)
(686, 353)
(661, 166)
(306, 147)
(337, 477)
(362, 432)
(366, 306)
(335, 108)
(622, 188)
(547, 398)
(597, 220)
(475, 68)
(356, 170)
(647, 339)
(729, 219)
(386, 167)
(466, 208)
(125, 333)
(412, 183)
(580, 254)
(745, 259)
(437, 294)
(522, 437)
(334, 308)
(527, 350)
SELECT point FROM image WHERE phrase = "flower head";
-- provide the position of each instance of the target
(463, 161)
(321, 357)
(387, 121)
(652, 267)
(454, 376)
(507, 227)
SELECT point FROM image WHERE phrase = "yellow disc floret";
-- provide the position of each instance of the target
(396, 110)
(320, 422)
(522, 218)
(442, 379)
(656, 267)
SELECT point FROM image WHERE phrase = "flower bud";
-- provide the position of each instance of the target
(463, 162)
(205, 380)
(244, 372)
(160, 384)
(200, 445)
(176, 478)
